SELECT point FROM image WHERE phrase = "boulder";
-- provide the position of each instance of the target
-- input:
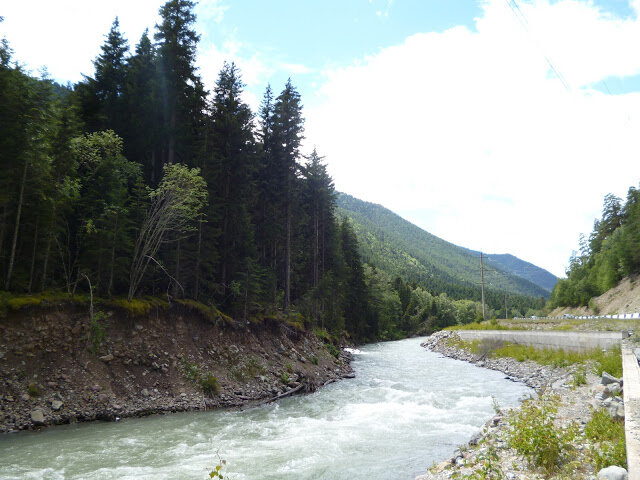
(607, 379)
(56, 405)
(612, 473)
(612, 389)
(37, 416)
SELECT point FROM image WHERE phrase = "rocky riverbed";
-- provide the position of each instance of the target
(52, 373)
(489, 454)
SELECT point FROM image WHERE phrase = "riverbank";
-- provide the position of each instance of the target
(58, 368)
(574, 392)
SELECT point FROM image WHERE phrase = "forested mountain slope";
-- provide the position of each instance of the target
(401, 248)
(526, 270)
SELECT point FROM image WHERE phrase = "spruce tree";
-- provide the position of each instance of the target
(288, 128)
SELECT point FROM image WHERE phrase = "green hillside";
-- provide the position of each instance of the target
(526, 270)
(395, 245)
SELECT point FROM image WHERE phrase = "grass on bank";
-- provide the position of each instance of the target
(609, 361)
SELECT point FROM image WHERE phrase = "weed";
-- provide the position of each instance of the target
(209, 384)
(314, 360)
(609, 361)
(285, 378)
(489, 467)
(96, 331)
(33, 390)
(609, 436)
(579, 377)
(534, 435)
(333, 350)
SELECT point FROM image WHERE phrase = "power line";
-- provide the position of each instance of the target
(522, 19)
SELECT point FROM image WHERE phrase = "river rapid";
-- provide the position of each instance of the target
(406, 408)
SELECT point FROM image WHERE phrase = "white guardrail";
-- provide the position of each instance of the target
(617, 316)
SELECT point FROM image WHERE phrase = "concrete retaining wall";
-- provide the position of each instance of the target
(631, 392)
(574, 341)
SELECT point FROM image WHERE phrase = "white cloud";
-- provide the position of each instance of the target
(67, 47)
(439, 127)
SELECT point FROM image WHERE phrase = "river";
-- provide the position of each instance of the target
(406, 408)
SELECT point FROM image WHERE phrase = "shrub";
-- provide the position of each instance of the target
(534, 435)
(285, 378)
(209, 384)
(609, 361)
(314, 360)
(579, 377)
(333, 350)
(33, 390)
(96, 331)
(610, 438)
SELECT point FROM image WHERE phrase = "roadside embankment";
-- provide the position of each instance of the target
(56, 367)
(573, 428)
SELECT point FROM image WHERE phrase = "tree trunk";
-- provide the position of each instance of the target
(196, 288)
(17, 227)
(113, 257)
(33, 257)
(287, 260)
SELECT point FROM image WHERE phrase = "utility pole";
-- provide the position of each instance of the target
(484, 316)
(506, 312)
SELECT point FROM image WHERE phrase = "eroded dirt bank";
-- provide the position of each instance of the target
(167, 361)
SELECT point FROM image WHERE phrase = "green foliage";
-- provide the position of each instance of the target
(489, 468)
(609, 361)
(403, 249)
(217, 471)
(534, 435)
(209, 384)
(206, 381)
(579, 377)
(97, 331)
(611, 252)
(333, 350)
(609, 438)
(137, 307)
(285, 378)
(33, 390)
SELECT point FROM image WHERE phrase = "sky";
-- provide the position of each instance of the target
(497, 125)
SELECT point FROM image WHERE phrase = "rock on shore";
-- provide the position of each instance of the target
(489, 448)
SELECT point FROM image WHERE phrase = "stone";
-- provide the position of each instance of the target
(612, 473)
(107, 358)
(145, 392)
(607, 379)
(37, 417)
(616, 411)
(612, 389)
(103, 398)
(56, 405)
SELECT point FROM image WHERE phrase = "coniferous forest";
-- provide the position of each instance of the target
(137, 181)
(609, 253)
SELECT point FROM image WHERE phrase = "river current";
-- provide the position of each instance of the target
(406, 408)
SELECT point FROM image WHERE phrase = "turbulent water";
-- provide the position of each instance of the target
(405, 409)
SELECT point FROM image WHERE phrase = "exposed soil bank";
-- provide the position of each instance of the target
(150, 364)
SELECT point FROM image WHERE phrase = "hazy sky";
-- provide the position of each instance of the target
(496, 125)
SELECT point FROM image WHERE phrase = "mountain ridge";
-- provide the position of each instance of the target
(400, 247)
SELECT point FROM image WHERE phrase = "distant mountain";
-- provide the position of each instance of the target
(526, 270)
(399, 247)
